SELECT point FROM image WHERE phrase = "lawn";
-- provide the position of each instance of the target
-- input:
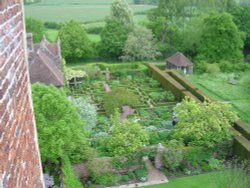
(81, 10)
(210, 180)
(219, 88)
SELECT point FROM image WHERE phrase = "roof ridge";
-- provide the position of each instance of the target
(50, 68)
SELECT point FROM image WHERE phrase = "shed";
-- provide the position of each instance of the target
(180, 62)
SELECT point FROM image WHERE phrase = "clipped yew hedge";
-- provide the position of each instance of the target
(167, 82)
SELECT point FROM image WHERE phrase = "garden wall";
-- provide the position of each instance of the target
(181, 87)
(20, 164)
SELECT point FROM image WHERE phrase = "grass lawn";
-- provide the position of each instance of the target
(218, 88)
(81, 10)
(210, 180)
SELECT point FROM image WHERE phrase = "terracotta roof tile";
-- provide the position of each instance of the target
(178, 59)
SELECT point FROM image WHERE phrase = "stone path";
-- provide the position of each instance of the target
(126, 111)
(154, 177)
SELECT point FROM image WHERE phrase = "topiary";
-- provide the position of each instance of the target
(119, 97)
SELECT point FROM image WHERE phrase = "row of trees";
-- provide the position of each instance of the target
(211, 31)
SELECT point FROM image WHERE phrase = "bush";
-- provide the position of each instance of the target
(226, 66)
(141, 173)
(119, 97)
(201, 67)
(95, 30)
(52, 25)
(107, 179)
(172, 158)
(87, 112)
(69, 178)
(213, 69)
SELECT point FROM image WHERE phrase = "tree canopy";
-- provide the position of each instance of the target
(221, 39)
(74, 41)
(35, 27)
(60, 130)
(203, 124)
(126, 137)
(140, 45)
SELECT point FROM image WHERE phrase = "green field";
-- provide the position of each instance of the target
(210, 180)
(218, 88)
(81, 10)
(51, 35)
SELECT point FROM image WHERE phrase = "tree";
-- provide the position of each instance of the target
(241, 17)
(126, 137)
(60, 130)
(121, 12)
(35, 27)
(140, 45)
(113, 39)
(220, 38)
(74, 41)
(203, 124)
(118, 25)
(87, 112)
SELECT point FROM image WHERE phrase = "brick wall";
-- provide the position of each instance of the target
(20, 164)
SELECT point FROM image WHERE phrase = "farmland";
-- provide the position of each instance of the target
(81, 10)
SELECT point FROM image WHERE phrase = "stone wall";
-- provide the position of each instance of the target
(20, 164)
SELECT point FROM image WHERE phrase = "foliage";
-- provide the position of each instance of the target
(140, 45)
(60, 130)
(71, 73)
(52, 25)
(241, 17)
(221, 39)
(69, 178)
(121, 12)
(117, 98)
(172, 158)
(74, 41)
(213, 69)
(35, 27)
(113, 38)
(126, 137)
(87, 112)
(162, 96)
(203, 124)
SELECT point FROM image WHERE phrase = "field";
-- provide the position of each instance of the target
(219, 88)
(81, 10)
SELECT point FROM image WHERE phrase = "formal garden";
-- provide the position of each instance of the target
(120, 124)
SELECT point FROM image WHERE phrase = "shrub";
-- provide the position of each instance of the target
(172, 158)
(213, 69)
(126, 137)
(201, 67)
(141, 173)
(95, 30)
(226, 66)
(119, 97)
(87, 112)
(69, 178)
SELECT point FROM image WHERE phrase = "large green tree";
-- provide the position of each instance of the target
(113, 38)
(74, 41)
(118, 24)
(60, 130)
(203, 124)
(35, 27)
(126, 137)
(221, 39)
(140, 45)
(241, 17)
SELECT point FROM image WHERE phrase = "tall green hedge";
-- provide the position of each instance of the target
(69, 178)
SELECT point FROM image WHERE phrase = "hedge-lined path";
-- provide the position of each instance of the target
(154, 177)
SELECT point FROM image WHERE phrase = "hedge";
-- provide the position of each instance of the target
(243, 128)
(167, 82)
(180, 87)
(241, 147)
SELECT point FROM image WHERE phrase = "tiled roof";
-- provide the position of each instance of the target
(45, 63)
(178, 59)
